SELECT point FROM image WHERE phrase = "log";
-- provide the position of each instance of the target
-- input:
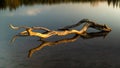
(63, 31)
(103, 31)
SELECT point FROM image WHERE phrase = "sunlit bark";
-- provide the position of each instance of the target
(63, 31)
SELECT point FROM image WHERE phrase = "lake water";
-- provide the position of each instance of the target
(98, 52)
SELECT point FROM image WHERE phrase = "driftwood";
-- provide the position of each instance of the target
(103, 31)
(63, 31)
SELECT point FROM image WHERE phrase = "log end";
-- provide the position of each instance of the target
(107, 28)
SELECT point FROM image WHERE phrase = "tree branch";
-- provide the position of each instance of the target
(65, 31)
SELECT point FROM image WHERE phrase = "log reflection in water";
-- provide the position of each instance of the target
(66, 40)
(104, 30)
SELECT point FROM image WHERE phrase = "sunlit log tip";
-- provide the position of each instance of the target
(108, 28)
(13, 27)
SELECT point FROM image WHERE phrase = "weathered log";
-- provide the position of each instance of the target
(63, 31)
(104, 30)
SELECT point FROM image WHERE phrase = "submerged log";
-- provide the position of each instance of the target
(63, 31)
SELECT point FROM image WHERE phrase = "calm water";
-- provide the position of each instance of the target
(96, 52)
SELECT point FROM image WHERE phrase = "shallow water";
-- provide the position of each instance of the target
(98, 52)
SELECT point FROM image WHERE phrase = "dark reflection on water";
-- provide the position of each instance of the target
(80, 57)
(66, 40)
(13, 4)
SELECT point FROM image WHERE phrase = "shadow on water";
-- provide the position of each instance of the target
(14, 4)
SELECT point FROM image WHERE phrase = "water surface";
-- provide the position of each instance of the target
(98, 52)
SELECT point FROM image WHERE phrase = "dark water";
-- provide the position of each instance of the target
(97, 52)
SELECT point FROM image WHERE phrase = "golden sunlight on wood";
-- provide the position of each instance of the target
(63, 31)
(103, 31)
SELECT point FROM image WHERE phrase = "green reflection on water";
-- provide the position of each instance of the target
(14, 4)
